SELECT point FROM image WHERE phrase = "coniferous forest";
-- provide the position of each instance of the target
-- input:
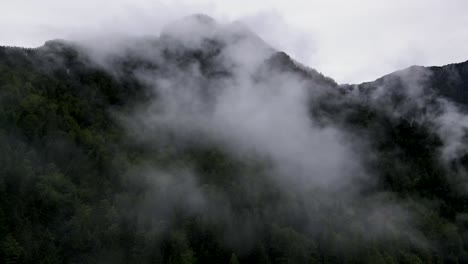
(216, 148)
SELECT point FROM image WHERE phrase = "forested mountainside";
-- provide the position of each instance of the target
(208, 146)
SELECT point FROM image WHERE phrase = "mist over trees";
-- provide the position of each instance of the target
(206, 145)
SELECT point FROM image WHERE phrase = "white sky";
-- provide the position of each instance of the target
(348, 40)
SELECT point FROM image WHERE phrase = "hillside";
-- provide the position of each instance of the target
(209, 146)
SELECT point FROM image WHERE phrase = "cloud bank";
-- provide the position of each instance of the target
(224, 89)
(354, 41)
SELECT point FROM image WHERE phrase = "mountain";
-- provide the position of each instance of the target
(207, 145)
(448, 81)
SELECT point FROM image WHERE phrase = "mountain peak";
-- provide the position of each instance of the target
(202, 18)
(191, 28)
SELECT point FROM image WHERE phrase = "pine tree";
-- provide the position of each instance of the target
(234, 259)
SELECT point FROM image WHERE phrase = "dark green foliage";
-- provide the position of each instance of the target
(70, 191)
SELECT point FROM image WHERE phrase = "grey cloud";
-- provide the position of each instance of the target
(353, 41)
(257, 113)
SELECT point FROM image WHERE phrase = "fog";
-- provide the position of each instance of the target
(241, 98)
(354, 41)
(184, 139)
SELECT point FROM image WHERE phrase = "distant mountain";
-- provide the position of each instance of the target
(206, 145)
(449, 81)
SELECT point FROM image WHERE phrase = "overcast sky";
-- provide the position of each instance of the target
(349, 40)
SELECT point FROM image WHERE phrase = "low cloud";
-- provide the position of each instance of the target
(221, 89)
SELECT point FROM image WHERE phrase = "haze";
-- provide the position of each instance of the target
(352, 41)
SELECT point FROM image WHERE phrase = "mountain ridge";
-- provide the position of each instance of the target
(62, 43)
(220, 150)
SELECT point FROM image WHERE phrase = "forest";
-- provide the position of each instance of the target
(142, 158)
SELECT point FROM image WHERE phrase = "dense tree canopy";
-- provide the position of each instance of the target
(74, 186)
